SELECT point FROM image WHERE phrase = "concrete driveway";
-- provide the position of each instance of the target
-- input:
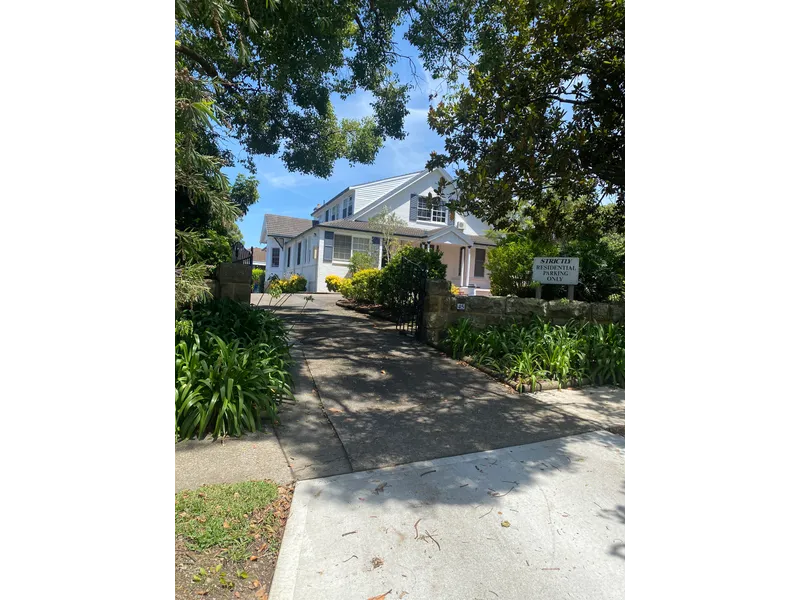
(543, 520)
(392, 400)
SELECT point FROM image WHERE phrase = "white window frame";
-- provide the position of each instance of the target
(424, 209)
(335, 213)
(275, 259)
(352, 244)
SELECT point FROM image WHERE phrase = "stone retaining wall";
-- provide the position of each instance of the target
(441, 310)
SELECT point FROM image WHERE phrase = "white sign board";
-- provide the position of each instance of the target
(555, 270)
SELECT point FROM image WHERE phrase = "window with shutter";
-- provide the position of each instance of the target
(299, 251)
(412, 211)
(276, 258)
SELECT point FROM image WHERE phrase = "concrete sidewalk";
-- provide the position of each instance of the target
(543, 520)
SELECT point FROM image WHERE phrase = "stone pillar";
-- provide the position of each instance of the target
(435, 316)
(233, 281)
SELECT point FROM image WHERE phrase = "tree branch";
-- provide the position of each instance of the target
(207, 66)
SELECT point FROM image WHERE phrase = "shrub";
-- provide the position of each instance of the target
(366, 286)
(257, 279)
(332, 282)
(401, 277)
(361, 261)
(231, 365)
(510, 265)
(454, 290)
(540, 350)
(295, 283)
(346, 288)
(602, 267)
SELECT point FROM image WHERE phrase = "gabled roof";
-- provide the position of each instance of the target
(450, 229)
(407, 183)
(281, 226)
(358, 185)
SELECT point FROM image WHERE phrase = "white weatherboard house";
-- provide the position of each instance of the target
(323, 245)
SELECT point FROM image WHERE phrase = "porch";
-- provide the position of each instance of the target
(465, 258)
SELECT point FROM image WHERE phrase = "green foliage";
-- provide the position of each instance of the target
(366, 286)
(223, 516)
(510, 265)
(254, 60)
(231, 366)
(183, 328)
(257, 278)
(333, 282)
(407, 273)
(388, 223)
(190, 286)
(540, 350)
(360, 261)
(602, 267)
(541, 115)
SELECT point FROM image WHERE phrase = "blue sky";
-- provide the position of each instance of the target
(294, 194)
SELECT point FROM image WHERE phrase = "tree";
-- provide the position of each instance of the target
(388, 223)
(536, 114)
(271, 68)
(263, 74)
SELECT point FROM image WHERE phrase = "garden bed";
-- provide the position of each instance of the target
(538, 355)
(227, 539)
(375, 310)
(522, 387)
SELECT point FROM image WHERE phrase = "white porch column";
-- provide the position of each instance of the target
(380, 253)
(469, 253)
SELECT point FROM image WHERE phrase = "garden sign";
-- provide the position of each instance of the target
(551, 270)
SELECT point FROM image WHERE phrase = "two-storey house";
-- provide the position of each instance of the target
(324, 244)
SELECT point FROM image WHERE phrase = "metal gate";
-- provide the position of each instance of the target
(409, 302)
(241, 254)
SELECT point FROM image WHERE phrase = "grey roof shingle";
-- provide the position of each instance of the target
(278, 225)
(366, 227)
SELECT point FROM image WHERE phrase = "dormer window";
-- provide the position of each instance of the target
(347, 207)
(432, 209)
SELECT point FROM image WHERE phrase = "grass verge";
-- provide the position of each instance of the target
(227, 539)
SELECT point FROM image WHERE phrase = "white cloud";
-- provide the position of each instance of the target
(285, 180)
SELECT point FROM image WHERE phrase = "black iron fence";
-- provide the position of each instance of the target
(241, 254)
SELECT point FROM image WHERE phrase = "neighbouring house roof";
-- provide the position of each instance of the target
(281, 226)
(259, 256)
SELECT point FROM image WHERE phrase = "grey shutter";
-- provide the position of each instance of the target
(412, 212)
(327, 250)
